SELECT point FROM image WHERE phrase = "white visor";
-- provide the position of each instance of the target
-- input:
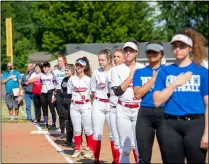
(131, 45)
(183, 38)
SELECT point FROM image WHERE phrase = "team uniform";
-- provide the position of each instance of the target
(149, 118)
(66, 109)
(127, 110)
(183, 124)
(100, 109)
(113, 103)
(47, 81)
(59, 76)
(80, 109)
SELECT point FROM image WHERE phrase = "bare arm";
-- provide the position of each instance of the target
(204, 140)
(7, 79)
(139, 92)
(161, 97)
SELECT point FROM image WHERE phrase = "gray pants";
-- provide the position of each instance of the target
(11, 101)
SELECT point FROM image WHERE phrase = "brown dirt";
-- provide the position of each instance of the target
(19, 145)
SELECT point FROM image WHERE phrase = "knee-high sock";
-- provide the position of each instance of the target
(62, 124)
(97, 148)
(135, 156)
(113, 150)
(77, 140)
(90, 142)
(117, 156)
(46, 119)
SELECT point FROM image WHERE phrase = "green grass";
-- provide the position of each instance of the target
(21, 117)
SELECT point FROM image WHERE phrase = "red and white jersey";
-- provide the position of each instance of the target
(118, 76)
(98, 83)
(79, 88)
(113, 98)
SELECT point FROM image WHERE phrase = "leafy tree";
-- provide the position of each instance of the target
(179, 14)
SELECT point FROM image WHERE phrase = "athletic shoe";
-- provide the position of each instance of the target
(46, 126)
(52, 127)
(16, 118)
(62, 136)
(36, 121)
(76, 154)
(96, 162)
(11, 119)
(67, 144)
(89, 154)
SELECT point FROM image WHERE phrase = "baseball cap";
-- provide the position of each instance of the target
(131, 45)
(154, 47)
(81, 61)
(183, 38)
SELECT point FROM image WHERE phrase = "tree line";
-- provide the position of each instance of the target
(48, 26)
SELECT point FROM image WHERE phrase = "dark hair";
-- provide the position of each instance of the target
(108, 54)
(46, 64)
(199, 42)
(87, 70)
(40, 66)
(156, 42)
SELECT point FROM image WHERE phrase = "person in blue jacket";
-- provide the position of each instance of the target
(183, 87)
(149, 117)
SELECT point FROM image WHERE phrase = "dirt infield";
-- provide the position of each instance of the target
(20, 146)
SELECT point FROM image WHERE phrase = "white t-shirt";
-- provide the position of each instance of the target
(79, 88)
(47, 81)
(118, 76)
(98, 83)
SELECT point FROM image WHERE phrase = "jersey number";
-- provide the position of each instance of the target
(83, 97)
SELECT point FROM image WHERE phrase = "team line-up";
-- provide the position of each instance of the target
(136, 101)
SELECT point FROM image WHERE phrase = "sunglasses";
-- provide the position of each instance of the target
(179, 45)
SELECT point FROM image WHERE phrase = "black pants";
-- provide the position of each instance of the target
(182, 139)
(37, 106)
(59, 108)
(68, 123)
(148, 122)
(46, 100)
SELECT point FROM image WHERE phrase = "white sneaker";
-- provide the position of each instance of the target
(86, 148)
(89, 154)
(76, 154)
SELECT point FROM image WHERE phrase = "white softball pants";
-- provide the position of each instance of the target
(126, 123)
(81, 115)
(100, 113)
(113, 127)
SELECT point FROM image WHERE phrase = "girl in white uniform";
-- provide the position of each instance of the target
(128, 105)
(80, 109)
(101, 105)
(119, 58)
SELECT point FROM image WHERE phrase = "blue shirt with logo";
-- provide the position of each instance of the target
(141, 77)
(188, 98)
(12, 83)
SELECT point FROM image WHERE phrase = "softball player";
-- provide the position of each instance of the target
(149, 117)
(47, 80)
(128, 105)
(69, 71)
(115, 145)
(80, 109)
(101, 105)
(183, 87)
(59, 76)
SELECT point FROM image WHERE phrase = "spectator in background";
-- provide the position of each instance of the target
(27, 87)
(35, 79)
(55, 67)
(11, 78)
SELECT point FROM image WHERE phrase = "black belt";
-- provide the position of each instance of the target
(183, 118)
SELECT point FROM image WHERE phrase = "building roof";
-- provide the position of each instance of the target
(94, 48)
(39, 57)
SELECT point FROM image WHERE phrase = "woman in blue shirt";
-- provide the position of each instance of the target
(183, 87)
(149, 117)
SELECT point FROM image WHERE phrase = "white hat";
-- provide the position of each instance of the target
(131, 45)
(183, 38)
(154, 47)
(81, 61)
